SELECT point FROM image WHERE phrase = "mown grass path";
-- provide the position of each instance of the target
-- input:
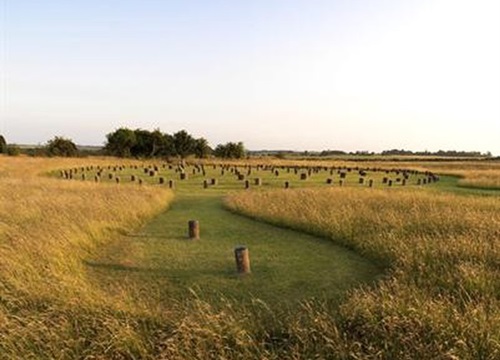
(287, 266)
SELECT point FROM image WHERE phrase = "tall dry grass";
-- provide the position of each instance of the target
(49, 308)
(441, 298)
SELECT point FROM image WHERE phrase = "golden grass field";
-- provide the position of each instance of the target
(47, 228)
(439, 298)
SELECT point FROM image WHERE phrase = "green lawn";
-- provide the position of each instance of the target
(287, 266)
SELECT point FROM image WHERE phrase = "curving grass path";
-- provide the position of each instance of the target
(287, 266)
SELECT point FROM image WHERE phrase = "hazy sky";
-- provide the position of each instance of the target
(289, 74)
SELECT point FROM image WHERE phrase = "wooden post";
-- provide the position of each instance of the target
(370, 183)
(171, 184)
(213, 181)
(258, 181)
(194, 229)
(205, 184)
(183, 176)
(303, 176)
(132, 178)
(287, 184)
(329, 181)
(161, 180)
(247, 184)
(242, 257)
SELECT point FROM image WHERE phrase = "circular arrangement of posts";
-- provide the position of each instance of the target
(230, 176)
(221, 177)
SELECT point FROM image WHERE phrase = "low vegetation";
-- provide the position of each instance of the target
(442, 298)
(48, 306)
(81, 277)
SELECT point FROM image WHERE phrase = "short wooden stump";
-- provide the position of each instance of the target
(242, 258)
(194, 229)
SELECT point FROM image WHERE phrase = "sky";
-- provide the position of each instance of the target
(365, 75)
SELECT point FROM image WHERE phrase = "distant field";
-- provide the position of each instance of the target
(401, 264)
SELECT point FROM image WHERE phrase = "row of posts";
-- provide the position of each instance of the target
(241, 253)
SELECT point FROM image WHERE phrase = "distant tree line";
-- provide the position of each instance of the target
(58, 146)
(140, 143)
(396, 152)
(445, 153)
(8, 149)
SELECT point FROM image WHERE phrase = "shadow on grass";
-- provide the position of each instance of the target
(184, 274)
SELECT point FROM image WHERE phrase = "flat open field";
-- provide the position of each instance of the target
(348, 259)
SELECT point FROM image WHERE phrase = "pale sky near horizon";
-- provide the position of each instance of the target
(300, 75)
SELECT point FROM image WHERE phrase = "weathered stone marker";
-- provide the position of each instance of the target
(194, 229)
(242, 257)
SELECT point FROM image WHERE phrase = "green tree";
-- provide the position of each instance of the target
(184, 144)
(143, 146)
(60, 146)
(151, 144)
(166, 146)
(3, 145)
(13, 150)
(230, 150)
(120, 142)
(201, 148)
